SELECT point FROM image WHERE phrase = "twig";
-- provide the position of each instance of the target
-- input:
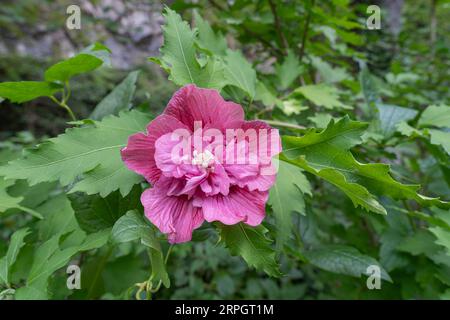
(305, 31)
(63, 105)
(277, 23)
(216, 5)
(283, 124)
(275, 51)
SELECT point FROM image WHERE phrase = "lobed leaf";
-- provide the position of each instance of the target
(252, 245)
(93, 151)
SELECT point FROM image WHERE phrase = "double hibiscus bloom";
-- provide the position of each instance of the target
(205, 162)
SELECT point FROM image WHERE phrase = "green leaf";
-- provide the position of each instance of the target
(9, 202)
(100, 51)
(6, 201)
(322, 95)
(406, 130)
(288, 71)
(321, 120)
(47, 259)
(421, 242)
(441, 138)
(286, 197)
(438, 116)
(390, 116)
(179, 57)
(69, 155)
(357, 193)
(6, 262)
(95, 213)
(64, 70)
(58, 217)
(30, 293)
(292, 106)
(343, 260)
(240, 73)
(369, 87)
(443, 237)
(24, 91)
(118, 99)
(132, 226)
(328, 152)
(266, 96)
(327, 72)
(95, 240)
(208, 40)
(252, 245)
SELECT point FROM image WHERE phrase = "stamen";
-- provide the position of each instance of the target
(202, 159)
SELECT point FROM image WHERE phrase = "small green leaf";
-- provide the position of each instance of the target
(178, 56)
(208, 40)
(252, 245)
(24, 91)
(240, 73)
(321, 120)
(118, 99)
(369, 88)
(293, 106)
(323, 96)
(421, 242)
(100, 51)
(58, 217)
(343, 260)
(443, 237)
(95, 213)
(48, 258)
(406, 130)
(288, 71)
(64, 70)
(95, 240)
(390, 116)
(287, 197)
(30, 293)
(438, 116)
(441, 138)
(6, 262)
(9, 202)
(328, 73)
(133, 227)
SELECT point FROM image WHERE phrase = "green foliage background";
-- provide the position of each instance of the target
(364, 176)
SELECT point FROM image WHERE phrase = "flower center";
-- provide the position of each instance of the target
(202, 159)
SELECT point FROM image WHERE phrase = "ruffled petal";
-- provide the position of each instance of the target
(190, 104)
(139, 153)
(173, 156)
(173, 215)
(256, 170)
(240, 205)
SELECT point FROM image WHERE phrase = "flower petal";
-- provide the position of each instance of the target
(190, 104)
(261, 145)
(240, 205)
(138, 155)
(173, 215)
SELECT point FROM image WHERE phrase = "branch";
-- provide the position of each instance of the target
(283, 124)
(284, 43)
(305, 31)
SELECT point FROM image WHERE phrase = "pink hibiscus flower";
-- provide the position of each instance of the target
(205, 162)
